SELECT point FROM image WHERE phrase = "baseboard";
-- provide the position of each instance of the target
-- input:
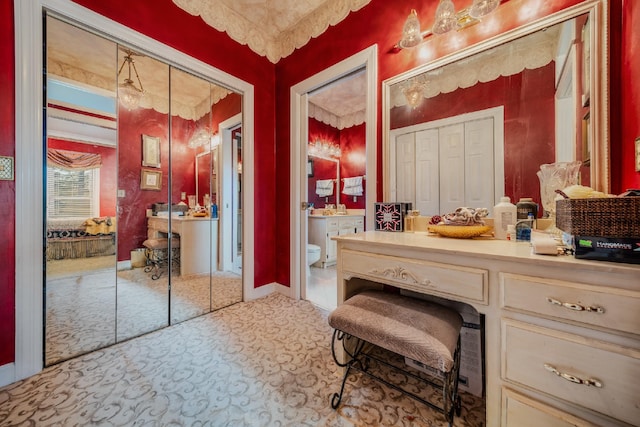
(7, 374)
(124, 265)
(268, 289)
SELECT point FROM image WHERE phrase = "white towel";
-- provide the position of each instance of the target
(353, 186)
(324, 187)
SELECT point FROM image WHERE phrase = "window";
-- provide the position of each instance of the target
(73, 193)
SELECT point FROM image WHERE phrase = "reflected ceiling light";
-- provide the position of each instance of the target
(445, 20)
(128, 93)
(324, 149)
(413, 91)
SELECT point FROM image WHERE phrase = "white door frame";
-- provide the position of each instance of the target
(29, 163)
(367, 59)
(225, 204)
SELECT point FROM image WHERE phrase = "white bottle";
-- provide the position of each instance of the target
(504, 214)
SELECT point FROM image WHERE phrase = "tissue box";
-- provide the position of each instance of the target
(390, 216)
(608, 249)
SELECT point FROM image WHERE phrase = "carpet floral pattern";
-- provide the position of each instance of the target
(261, 363)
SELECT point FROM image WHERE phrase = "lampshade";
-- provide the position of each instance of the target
(482, 7)
(445, 20)
(411, 35)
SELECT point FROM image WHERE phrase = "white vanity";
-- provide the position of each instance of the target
(562, 336)
(322, 228)
(198, 241)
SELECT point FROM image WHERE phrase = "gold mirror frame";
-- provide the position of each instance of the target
(599, 69)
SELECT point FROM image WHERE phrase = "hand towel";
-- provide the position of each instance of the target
(324, 187)
(353, 186)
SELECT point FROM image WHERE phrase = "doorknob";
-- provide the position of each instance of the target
(306, 206)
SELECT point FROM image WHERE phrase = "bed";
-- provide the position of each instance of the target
(80, 238)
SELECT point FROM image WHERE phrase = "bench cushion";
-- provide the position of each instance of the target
(417, 329)
(161, 243)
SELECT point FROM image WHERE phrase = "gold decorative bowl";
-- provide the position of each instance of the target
(460, 231)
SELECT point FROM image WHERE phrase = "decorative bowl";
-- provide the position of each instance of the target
(460, 231)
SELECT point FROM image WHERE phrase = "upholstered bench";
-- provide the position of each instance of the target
(158, 255)
(424, 331)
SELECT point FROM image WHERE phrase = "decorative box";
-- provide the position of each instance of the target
(608, 249)
(605, 217)
(390, 216)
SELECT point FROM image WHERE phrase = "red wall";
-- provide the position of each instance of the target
(7, 188)
(322, 169)
(353, 162)
(529, 127)
(623, 158)
(108, 171)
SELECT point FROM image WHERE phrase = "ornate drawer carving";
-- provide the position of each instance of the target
(418, 275)
(591, 373)
(600, 306)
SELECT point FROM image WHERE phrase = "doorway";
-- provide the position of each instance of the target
(302, 146)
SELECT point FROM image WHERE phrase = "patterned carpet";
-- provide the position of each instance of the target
(260, 363)
(93, 309)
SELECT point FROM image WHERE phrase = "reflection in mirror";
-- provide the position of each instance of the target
(81, 179)
(143, 160)
(323, 181)
(470, 131)
(123, 152)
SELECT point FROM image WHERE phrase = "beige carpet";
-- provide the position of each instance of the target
(260, 363)
(90, 309)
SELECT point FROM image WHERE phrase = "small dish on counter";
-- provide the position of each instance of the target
(460, 231)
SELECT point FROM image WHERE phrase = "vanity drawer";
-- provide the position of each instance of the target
(521, 411)
(601, 306)
(348, 224)
(555, 362)
(418, 275)
(332, 224)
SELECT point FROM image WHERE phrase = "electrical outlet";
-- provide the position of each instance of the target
(121, 192)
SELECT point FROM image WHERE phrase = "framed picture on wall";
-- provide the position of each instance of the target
(150, 179)
(150, 151)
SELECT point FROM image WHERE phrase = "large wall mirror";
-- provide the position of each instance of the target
(133, 236)
(475, 125)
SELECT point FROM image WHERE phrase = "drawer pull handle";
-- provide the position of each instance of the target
(575, 307)
(590, 382)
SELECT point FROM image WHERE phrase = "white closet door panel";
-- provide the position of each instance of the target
(452, 169)
(479, 176)
(427, 173)
(405, 168)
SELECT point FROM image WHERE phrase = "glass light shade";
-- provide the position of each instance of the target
(445, 20)
(482, 7)
(200, 137)
(414, 93)
(411, 35)
(129, 95)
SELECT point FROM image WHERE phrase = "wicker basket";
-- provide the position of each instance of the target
(606, 217)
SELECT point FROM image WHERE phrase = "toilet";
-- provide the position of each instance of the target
(313, 256)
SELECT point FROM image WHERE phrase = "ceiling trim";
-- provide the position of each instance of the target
(240, 29)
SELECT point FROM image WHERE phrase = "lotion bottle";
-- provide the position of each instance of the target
(504, 214)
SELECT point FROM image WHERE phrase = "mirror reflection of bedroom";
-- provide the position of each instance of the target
(336, 174)
(140, 156)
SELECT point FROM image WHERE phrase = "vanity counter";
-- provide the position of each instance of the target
(548, 320)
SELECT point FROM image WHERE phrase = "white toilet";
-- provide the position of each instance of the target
(313, 256)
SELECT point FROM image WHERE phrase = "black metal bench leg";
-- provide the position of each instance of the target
(337, 397)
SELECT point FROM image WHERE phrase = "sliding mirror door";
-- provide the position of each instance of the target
(81, 188)
(143, 194)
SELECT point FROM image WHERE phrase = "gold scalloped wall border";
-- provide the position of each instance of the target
(222, 18)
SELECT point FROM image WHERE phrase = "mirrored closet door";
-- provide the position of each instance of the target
(135, 193)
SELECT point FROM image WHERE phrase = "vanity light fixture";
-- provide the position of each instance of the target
(128, 93)
(202, 137)
(413, 91)
(324, 149)
(445, 20)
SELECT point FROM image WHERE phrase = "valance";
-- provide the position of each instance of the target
(73, 160)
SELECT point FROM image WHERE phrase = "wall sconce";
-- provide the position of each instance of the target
(446, 19)
(202, 137)
(324, 149)
(413, 91)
